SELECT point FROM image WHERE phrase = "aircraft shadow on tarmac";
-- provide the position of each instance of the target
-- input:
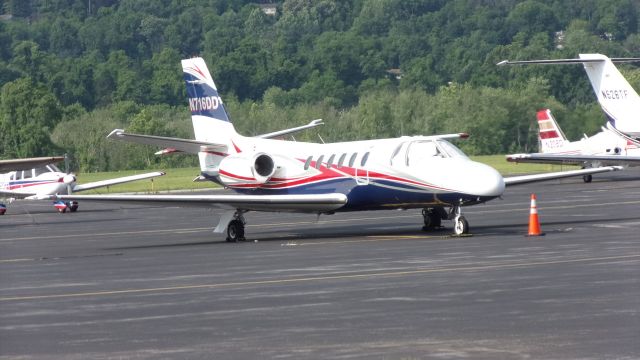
(347, 233)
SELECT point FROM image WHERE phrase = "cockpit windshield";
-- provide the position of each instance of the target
(450, 149)
(416, 151)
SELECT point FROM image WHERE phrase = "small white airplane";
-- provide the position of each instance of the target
(37, 178)
(617, 98)
(605, 148)
(425, 172)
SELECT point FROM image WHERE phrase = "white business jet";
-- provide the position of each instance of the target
(37, 178)
(425, 172)
(617, 98)
(605, 148)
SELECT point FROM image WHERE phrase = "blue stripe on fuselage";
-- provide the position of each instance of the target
(376, 195)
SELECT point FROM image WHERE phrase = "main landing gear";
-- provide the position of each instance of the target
(433, 219)
(587, 178)
(235, 228)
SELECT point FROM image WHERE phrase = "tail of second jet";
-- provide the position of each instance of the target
(619, 101)
(616, 96)
(552, 139)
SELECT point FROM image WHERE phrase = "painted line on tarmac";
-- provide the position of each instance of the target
(14, 260)
(351, 276)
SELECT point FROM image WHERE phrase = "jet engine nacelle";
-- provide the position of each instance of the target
(246, 171)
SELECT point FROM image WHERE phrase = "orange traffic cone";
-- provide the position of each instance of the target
(534, 222)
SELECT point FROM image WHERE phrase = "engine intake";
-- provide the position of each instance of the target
(243, 171)
(264, 165)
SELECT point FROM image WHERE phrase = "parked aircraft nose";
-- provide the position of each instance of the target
(483, 180)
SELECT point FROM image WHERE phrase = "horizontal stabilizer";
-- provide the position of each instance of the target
(294, 203)
(310, 125)
(120, 180)
(175, 144)
(525, 179)
(564, 61)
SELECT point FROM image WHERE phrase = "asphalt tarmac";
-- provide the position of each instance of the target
(140, 282)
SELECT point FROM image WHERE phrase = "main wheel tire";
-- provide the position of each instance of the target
(432, 221)
(73, 207)
(587, 178)
(235, 231)
(62, 210)
(461, 226)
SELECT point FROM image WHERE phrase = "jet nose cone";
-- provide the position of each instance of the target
(485, 181)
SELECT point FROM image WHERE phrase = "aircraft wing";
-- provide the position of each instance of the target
(28, 163)
(14, 194)
(310, 125)
(170, 144)
(292, 203)
(525, 179)
(602, 160)
(120, 180)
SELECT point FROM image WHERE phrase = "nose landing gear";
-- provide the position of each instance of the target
(460, 224)
(433, 219)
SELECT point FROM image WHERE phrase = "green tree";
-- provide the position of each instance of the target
(28, 114)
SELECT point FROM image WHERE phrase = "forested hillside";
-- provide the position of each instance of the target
(73, 70)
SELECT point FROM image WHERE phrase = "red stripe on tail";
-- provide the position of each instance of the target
(549, 134)
(543, 115)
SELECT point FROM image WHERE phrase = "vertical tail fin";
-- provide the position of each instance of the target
(551, 137)
(209, 116)
(618, 99)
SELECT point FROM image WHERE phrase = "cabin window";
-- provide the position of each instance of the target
(341, 160)
(363, 162)
(319, 161)
(352, 160)
(40, 170)
(330, 161)
(308, 162)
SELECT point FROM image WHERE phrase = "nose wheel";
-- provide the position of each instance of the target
(460, 224)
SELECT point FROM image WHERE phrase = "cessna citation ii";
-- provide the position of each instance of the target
(37, 178)
(618, 100)
(426, 172)
(605, 148)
